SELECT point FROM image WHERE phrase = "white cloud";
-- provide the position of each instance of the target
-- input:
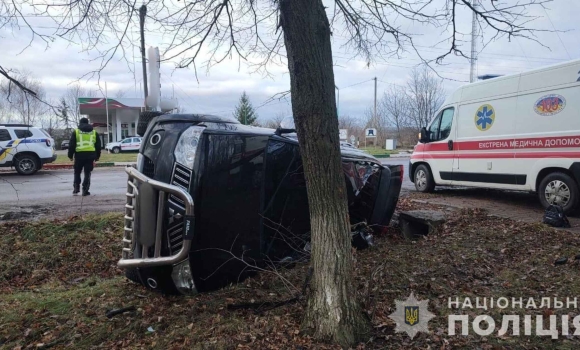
(218, 90)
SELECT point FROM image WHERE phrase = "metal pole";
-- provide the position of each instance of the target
(375, 114)
(142, 14)
(473, 59)
(107, 111)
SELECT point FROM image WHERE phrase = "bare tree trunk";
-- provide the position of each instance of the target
(333, 312)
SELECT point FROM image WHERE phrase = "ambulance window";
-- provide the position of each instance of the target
(446, 122)
(5, 135)
(434, 129)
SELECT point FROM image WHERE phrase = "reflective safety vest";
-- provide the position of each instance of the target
(86, 141)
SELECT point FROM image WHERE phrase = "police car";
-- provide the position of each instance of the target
(25, 148)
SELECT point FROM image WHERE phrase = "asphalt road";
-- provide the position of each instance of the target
(49, 193)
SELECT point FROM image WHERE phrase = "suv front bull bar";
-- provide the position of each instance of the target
(129, 242)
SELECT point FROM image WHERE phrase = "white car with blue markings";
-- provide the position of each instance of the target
(25, 148)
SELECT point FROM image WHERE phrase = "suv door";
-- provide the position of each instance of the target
(5, 146)
(441, 150)
(126, 144)
(136, 144)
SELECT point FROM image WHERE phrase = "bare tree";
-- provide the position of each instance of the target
(274, 122)
(354, 126)
(120, 93)
(259, 31)
(26, 108)
(71, 97)
(425, 94)
(393, 109)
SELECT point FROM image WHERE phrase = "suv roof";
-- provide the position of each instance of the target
(17, 125)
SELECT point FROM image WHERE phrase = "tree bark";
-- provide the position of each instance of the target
(333, 312)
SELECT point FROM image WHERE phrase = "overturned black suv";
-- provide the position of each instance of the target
(207, 189)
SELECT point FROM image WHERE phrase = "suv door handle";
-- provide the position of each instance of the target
(450, 145)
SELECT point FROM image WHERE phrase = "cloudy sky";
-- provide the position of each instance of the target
(217, 91)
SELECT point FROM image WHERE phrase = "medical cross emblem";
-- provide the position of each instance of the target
(484, 117)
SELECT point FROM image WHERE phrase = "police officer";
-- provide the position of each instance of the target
(85, 146)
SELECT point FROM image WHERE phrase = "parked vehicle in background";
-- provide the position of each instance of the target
(26, 148)
(130, 144)
(64, 144)
(208, 188)
(518, 132)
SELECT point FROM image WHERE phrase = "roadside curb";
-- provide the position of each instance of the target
(400, 156)
(98, 165)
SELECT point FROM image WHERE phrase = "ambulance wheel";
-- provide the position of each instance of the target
(559, 189)
(424, 179)
(26, 164)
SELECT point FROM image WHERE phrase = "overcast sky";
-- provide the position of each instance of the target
(218, 90)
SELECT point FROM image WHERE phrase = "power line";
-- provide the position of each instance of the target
(558, 34)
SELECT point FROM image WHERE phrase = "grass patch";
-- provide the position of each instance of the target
(32, 254)
(474, 255)
(378, 151)
(105, 158)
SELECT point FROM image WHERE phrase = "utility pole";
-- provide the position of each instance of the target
(142, 14)
(472, 77)
(375, 114)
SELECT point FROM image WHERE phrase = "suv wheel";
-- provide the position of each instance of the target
(423, 179)
(116, 150)
(559, 189)
(144, 120)
(26, 164)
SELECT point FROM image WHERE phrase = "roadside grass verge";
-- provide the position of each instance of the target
(474, 255)
(105, 158)
(63, 251)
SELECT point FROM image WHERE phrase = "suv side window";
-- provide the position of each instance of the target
(136, 140)
(126, 141)
(22, 133)
(5, 135)
(440, 129)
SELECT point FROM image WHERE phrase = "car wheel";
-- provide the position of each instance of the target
(116, 150)
(559, 189)
(26, 164)
(423, 179)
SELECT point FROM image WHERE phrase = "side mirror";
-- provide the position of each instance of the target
(424, 135)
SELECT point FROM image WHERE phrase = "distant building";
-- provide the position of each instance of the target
(123, 116)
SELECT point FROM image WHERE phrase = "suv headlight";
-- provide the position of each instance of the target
(183, 279)
(187, 146)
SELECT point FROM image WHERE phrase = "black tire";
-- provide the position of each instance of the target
(423, 179)
(116, 150)
(132, 275)
(144, 120)
(26, 164)
(559, 189)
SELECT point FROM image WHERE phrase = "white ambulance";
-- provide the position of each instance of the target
(517, 132)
